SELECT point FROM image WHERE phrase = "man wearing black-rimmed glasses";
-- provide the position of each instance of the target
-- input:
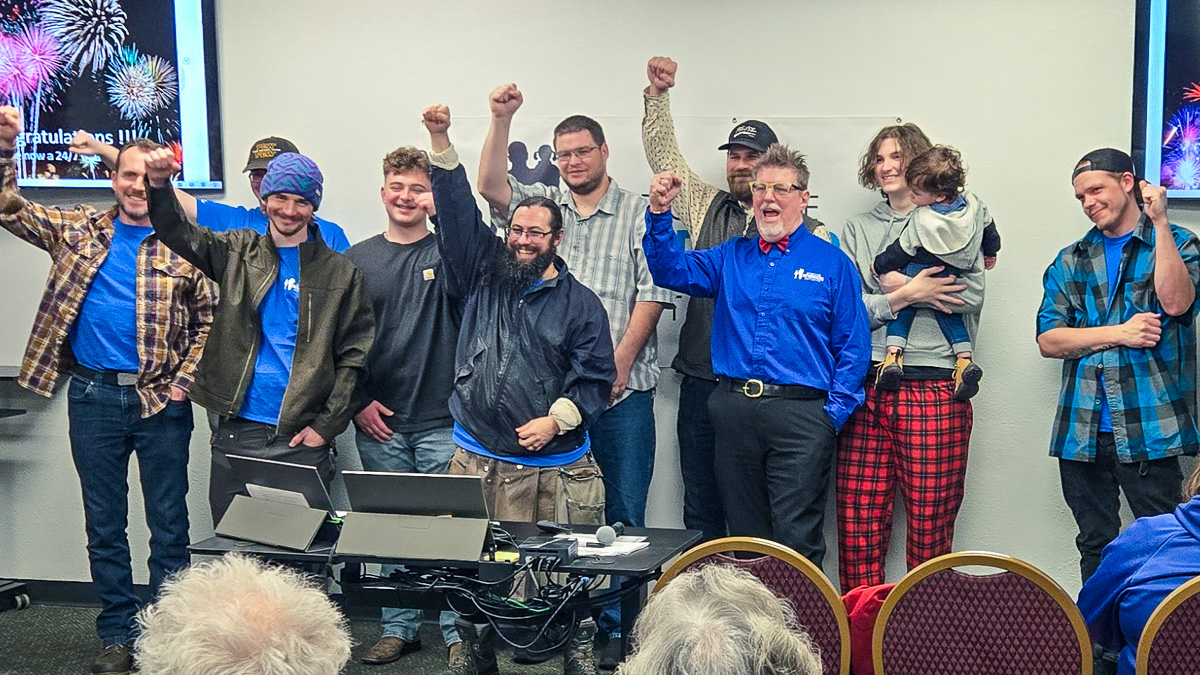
(789, 343)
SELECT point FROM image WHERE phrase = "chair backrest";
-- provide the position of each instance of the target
(788, 575)
(940, 620)
(1170, 641)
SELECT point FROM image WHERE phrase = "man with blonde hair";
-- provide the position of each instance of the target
(237, 614)
(789, 348)
(719, 620)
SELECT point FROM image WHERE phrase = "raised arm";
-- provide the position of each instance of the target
(696, 273)
(1173, 284)
(83, 143)
(662, 149)
(493, 159)
(205, 249)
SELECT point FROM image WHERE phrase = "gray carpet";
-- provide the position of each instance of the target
(49, 639)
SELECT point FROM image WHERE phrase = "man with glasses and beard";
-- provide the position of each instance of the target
(534, 367)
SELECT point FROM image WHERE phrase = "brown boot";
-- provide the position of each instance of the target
(966, 379)
(389, 649)
(890, 372)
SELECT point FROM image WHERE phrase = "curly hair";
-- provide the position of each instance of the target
(908, 136)
(938, 171)
(404, 159)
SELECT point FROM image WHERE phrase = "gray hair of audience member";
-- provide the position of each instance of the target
(239, 616)
(719, 620)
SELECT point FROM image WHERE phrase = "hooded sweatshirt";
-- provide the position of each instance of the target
(1139, 569)
(866, 236)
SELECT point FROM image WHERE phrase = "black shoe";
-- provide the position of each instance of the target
(608, 651)
(533, 654)
(114, 660)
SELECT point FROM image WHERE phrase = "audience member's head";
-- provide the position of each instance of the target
(1191, 487)
(238, 616)
(719, 620)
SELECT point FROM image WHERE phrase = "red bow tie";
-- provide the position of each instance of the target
(765, 246)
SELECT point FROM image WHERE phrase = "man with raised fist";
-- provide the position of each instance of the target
(1119, 310)
(293, 329)
(126, 319)
(789, 347)
(712, 215)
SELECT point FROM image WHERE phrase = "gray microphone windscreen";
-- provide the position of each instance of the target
(606, 535)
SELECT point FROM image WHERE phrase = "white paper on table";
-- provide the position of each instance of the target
(276, 495)
(622, 546)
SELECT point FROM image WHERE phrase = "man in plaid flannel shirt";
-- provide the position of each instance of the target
(1118, 309)
(127, 319)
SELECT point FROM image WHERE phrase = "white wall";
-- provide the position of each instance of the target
(1022, 88)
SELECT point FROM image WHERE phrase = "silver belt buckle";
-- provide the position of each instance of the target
(126, 379)
(746, 389)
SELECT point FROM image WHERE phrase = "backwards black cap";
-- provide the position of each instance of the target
(1112, 161)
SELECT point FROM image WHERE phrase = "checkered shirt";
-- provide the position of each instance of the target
(604, 251)
(1151, 392)
(174, 300)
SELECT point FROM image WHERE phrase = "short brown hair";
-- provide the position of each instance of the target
(404, 159)
(1191, 487)
(781, 156)
(908, 136)
(143, 144)
(938, 171)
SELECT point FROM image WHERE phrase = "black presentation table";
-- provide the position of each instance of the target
(634, 570)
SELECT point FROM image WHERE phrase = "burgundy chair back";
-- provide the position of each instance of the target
(1170, 643)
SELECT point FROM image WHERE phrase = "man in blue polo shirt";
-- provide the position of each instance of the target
(220, 217)
(789, 347)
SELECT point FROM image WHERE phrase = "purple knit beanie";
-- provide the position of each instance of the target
(295, 174)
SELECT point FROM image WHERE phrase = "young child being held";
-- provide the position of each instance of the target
(949, 229)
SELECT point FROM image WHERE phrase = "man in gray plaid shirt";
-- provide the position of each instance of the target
(603, 248)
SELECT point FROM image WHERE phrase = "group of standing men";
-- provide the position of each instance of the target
(531, 360)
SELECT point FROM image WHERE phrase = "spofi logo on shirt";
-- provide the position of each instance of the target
(801, 275)
(290, 284)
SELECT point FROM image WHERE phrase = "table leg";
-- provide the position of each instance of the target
(631, 605)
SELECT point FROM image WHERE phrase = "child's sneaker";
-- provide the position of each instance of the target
(891, 371)
(966, 379)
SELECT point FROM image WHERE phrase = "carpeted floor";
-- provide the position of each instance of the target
(50, 639)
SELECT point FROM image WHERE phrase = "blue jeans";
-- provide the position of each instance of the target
(623, 443)
(106, 426)
(951, 324)
(416, 452)
(702, 508)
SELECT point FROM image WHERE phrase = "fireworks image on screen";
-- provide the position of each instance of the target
(139, 85)
(91, 31)
(1181, 149)
(89, 162)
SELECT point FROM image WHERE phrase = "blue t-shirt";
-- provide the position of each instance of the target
(223, 217)
(1113, 246)
(104, 335)
(464, 440)
(279, 314)
(943, 208)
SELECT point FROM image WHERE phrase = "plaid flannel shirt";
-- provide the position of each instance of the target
(174, 300)
(1151, 392)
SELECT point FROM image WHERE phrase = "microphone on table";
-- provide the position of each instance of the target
(607, 534)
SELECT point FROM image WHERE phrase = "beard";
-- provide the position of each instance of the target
(508, 272)
(588, 185)
(131, 213)
(740, 189)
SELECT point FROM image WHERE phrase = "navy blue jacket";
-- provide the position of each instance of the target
(517, 352)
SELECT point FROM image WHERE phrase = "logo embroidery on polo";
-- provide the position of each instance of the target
(291, 285)
(801, 275)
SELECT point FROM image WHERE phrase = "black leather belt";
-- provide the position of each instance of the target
(108, 377)
(756, 388)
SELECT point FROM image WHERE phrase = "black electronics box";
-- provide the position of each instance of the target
(564, 549)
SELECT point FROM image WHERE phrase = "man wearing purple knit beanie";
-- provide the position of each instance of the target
(293, 327)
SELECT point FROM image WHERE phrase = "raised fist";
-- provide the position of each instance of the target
(83, 143)
(160, 166)
(505, 100)
(1154, 200)
(664, 188)
(10, 127)
(436, 118)
(661, 72)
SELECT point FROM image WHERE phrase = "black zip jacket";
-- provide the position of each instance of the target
(334, 332)
(517, 352)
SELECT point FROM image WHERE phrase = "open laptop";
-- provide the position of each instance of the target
(288, 504)
(414, 515)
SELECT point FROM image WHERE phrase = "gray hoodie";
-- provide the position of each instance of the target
(863, 238)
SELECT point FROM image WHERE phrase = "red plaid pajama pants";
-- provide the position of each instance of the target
(916, 437)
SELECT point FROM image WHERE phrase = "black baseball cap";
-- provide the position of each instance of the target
(1112, 161)
(752, 134)
(262, 152)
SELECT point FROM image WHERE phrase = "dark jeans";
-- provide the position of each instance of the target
(774, 458)
(1092, 491)
(106, 426)
(702, 509)
(951, 324)
(623, 444)
(236, 436)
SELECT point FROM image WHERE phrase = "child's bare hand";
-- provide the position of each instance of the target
(989, 261)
